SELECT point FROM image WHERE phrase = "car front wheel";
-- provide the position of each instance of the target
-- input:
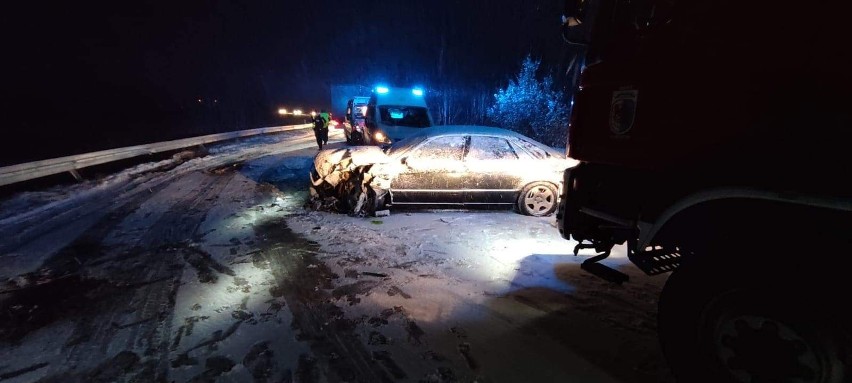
(538, 199)
(357, 138)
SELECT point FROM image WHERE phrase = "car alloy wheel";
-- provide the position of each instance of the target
(538, 199)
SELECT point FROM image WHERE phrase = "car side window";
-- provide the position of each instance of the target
(447, 148)
(490, 148)
(531, 148)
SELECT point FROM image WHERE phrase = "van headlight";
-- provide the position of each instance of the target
(380, 137)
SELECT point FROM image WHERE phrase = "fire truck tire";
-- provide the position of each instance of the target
(719, 323)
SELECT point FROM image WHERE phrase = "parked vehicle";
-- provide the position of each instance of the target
(446, 165)
(395, 113)
(353, 123)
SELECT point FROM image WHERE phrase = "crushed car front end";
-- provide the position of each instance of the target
(353, 180)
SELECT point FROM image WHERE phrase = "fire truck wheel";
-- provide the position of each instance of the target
(722, 323)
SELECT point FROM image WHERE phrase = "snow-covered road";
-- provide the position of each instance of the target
(212, 270)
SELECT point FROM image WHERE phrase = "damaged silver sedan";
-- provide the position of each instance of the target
(441, 166)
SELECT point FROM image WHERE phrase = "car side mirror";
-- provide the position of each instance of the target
(573, 29)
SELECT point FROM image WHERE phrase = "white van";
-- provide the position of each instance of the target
(395, 113)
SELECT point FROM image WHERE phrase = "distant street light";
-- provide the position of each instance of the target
(313, 113)
(297, 112)
(282, 111)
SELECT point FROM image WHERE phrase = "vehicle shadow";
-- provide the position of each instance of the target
(611, 326)
(289, 173)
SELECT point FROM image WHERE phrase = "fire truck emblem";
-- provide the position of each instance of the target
(622, 111)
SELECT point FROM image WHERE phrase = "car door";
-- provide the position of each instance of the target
(494, 171)
(434, 172)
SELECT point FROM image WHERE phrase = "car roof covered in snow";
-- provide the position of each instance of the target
(442, 130)
(470, 129)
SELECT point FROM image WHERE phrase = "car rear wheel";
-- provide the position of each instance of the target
(538, 199)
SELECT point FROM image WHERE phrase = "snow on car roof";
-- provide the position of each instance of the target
(478, 130)
(470, 129)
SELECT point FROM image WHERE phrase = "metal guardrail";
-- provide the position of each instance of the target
(36, 169)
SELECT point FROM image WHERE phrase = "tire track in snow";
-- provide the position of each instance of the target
(132, 305)
(304, 281)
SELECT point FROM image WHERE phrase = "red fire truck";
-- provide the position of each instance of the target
(713, 143)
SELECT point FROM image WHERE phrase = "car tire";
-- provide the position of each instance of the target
(351, 192)
(538, 199)
(377, 200)
(722, 323)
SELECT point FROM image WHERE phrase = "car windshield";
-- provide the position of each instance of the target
(402, 146)
(359, 110)
(411, 116)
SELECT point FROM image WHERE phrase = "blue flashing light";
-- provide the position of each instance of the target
(382, 89)
(417, 91)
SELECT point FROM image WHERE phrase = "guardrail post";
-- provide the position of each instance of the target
(76, 175)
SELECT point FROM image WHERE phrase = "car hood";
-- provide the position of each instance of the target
(327, 160)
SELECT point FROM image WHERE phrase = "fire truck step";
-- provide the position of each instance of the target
(656, 260)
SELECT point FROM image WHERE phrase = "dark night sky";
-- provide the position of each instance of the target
(82, 76)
